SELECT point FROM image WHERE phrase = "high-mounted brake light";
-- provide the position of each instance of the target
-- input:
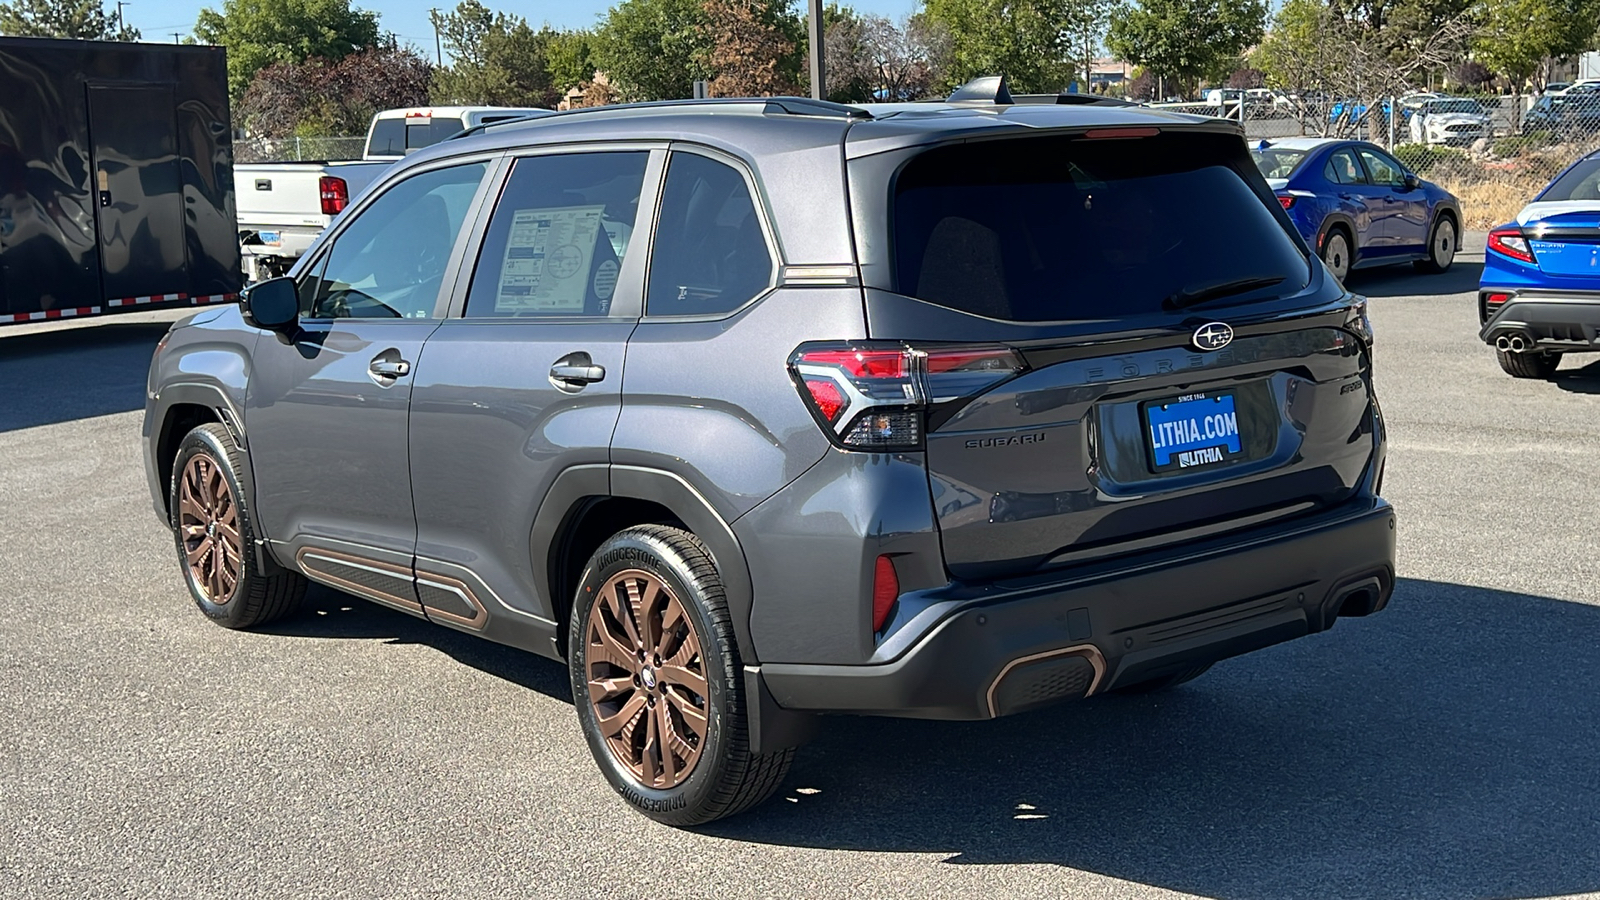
(875, 397)
(1113, 134)
(1510, 242)
(335, 194)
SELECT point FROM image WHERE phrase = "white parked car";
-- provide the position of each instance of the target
(1456, 121)
(284, 206)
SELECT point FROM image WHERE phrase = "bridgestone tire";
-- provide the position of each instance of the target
(725, 778)
(257, 597)
(1164, 682)
(1528, 365)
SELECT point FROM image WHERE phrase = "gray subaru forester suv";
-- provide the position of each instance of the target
(751, 410)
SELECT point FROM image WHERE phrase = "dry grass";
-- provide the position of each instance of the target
(1492, 198)
(1493, 191)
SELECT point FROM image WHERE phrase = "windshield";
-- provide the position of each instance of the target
(1470, 107)
(1581, 182)
(1066, 228)
(1278, 162)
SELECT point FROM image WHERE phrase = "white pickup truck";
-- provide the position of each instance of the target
(283, 206)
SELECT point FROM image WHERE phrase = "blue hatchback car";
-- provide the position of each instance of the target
(1357, 206)
(1540, 293)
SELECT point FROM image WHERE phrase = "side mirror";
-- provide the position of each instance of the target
(273, 304)
(1411, 181)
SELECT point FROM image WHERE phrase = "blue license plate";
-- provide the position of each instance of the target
(1192, 430)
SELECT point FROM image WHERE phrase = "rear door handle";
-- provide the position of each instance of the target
(577, 374)
(389, 368)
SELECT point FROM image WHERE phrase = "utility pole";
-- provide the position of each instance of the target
(817, 75)
(438, 48)
(120, 5)
(177, 37)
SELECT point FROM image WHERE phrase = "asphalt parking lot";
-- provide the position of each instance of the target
(1447, 748)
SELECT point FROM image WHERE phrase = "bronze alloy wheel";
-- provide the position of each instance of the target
(208, 524)
(647, 681)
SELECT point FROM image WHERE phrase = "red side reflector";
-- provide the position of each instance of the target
(1285, 202)
(335, 194)
(1112, 134)
(885, 591)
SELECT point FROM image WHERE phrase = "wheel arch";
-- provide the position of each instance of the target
(587, 504)
(182, 408)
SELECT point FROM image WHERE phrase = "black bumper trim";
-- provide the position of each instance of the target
(1568, 320)
(1150, 621)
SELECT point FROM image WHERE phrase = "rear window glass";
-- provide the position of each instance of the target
(437, 129)
(388, 138)
(1581, 182)
(1278, 163)
(1059, 228)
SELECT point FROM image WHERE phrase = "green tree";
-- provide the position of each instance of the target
(1187, 40)
(258, 33)
(653, 49)
(570, 58)
(497, 60)
(1517, 37)
(81, 19)
(1028, 41)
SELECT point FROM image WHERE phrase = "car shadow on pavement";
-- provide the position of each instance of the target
(1404, 281)
(76, 373)
(330, 614)
(1446, 748)
(1579, 381)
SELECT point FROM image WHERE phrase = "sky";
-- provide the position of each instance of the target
(159, 20)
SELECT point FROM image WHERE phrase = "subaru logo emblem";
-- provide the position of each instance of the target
(1212, 336)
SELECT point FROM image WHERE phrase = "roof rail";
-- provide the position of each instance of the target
(791, 106)
(983, 89)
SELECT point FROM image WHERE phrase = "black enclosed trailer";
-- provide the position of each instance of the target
(116, 178)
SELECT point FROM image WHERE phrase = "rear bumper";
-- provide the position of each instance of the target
(1565, 321)
(1022, 645)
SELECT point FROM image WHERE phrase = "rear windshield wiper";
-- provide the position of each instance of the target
(1195, 296)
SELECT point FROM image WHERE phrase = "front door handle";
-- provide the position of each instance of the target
(576, 374)
(384, 367)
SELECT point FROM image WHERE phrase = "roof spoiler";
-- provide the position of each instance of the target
(990, 89)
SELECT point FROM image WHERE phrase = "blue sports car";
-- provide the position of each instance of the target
(1357, 206)
(1540, 293)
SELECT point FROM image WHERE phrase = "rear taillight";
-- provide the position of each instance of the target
(335, 194)
(885, 591)
(1510, 242)
(1285, 201)
(875, 397)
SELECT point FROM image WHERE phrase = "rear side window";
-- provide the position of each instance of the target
(558, 236)
(710, 255)
(1342, 168)
(1581, 182)
(1061, 228)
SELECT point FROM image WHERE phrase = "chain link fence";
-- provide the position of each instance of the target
(296, 149)
(1495, 152)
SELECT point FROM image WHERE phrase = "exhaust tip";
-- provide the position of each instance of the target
(1518, 345)
(1502, 343)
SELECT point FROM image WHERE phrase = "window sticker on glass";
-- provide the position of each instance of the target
(548, 260)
